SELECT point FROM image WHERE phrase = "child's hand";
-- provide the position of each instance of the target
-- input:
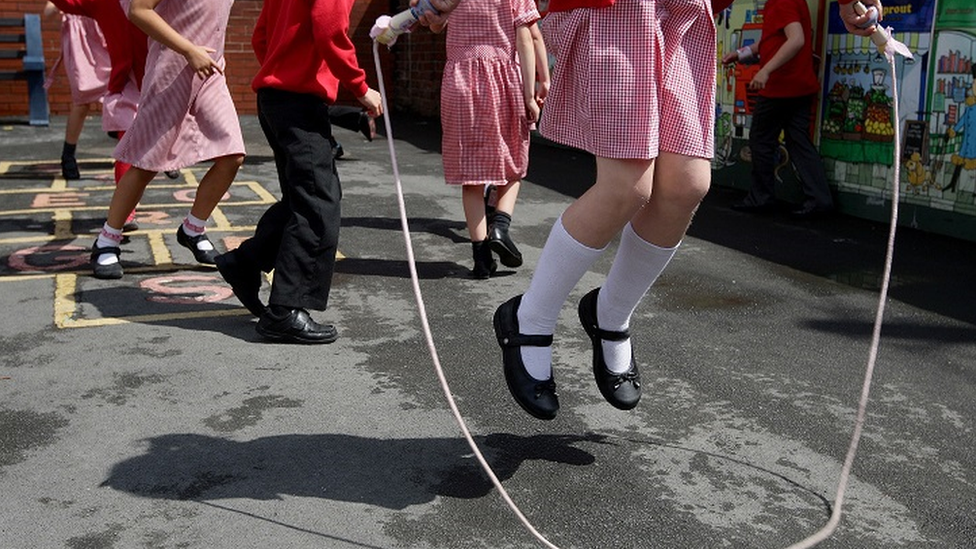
(202, 63)
(532, 110)
(373, 102)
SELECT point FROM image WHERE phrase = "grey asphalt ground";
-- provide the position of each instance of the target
(146, 412)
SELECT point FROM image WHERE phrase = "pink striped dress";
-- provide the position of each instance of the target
(183, 120)
(85, 57)
(485, 131)
(632, 79)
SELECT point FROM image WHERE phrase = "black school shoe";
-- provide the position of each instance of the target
(207, 257)
(69, 168)
(286, 325)
(106, 272)
(623, 391)
(501, 244)
(246, 283)
(536, 397)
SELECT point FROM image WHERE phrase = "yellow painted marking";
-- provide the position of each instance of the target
(62, 225)
(159, 250)
(220, 220)
(64, 299)
(190, 179)
(265, 196)
(59, 184)
(4, 166)
(114, 321)
(28, 277)
(142, 207)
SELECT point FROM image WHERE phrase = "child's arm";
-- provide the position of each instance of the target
(526, 53)
(50, 9)
(142, 14)
(541, 65)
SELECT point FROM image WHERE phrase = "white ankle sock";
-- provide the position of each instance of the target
(636, 266)
(108, 238)
(194, 226)
(562, 263)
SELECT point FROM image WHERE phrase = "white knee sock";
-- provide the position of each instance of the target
(108, 238)
(562, 263)
(635, 268)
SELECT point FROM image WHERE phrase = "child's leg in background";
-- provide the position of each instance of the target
(120, 169)
(498, 239)
(127, 194)
(72, 132)
(473, 201)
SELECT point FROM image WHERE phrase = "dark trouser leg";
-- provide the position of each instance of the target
(806, 157)
(767, 117)
(308, 215)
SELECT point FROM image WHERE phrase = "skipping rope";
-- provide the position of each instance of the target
(888, 47)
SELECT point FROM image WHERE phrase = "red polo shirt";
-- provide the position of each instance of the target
(797, 77)
(304, 47)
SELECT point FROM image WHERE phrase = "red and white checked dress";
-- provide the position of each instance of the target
(633, 79)
(183, 120)
(485, 136)
(85, 57)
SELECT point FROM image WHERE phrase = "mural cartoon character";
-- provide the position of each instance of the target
(965, 159)
(918, 177)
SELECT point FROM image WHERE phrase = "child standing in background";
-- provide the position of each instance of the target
(186, 115)
(486, 109)
(87, 65)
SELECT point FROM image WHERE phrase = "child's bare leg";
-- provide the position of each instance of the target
(214, 185)
(128, 193)
(212, 188)
(473, 201)
(507, 195)
(76, 121)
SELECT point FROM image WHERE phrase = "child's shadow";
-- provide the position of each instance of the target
(391, 473)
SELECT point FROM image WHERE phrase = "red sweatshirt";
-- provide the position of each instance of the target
(127, 45)
(304, 47)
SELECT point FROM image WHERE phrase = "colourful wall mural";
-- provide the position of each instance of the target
(855, 127)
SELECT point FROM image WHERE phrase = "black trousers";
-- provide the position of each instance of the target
(789, 115)
(298, 235)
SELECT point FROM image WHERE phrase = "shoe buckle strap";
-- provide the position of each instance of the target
(523, 340)
(610, 335)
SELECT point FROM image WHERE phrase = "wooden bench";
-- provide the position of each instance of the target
(22, 58)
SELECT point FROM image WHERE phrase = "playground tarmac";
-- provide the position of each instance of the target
(147, 413)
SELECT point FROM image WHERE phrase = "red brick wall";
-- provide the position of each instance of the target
(412, 68)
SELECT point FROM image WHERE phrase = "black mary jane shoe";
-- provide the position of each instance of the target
(106, 272)
(501, 244)
(245, 282)
(536, 397)
(288, 325)
(207, 257)
(622, 390)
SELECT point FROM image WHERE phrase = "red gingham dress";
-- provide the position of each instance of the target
(485, 136)
(633, 79)
(183, 120)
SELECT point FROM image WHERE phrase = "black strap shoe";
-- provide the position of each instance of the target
(537, 397)
(111, 271)
(246, 283)
(285, 325)
(192, 243)
(622, 390)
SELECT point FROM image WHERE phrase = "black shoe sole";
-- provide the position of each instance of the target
(516, 377)
(278, 337)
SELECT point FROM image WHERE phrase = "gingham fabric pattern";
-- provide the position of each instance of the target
(604, 97)
(688, 77)
(632, 79)
(485, 136)
(183, 120)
